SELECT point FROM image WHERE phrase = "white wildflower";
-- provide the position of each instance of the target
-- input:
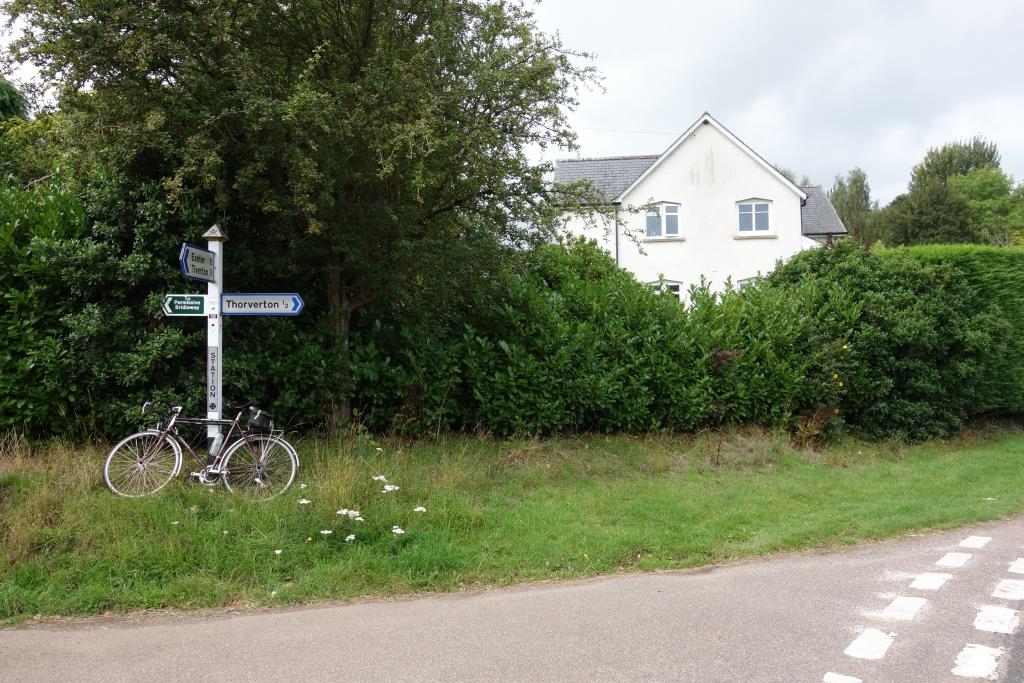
(193, 509)
(419, 509)
(342, 511)
(175, 523)
(379, 477)
(304, 501)
(302, 486)
(326, 532)
(273, 593)
(389, 487)
(379, 449)
(359, 519)
(350, 538)
(277, 552)
(225, 532)
(396, 530)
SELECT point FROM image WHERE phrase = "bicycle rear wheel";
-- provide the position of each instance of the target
(142, 464)
(260, 467)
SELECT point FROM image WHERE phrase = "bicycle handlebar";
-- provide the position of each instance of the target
(176, 410)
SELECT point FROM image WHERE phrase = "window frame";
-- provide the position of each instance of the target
(753, 203)
(660, 209)
(666, 286)
(743, 283)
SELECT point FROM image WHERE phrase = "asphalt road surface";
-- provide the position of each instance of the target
(927, 609)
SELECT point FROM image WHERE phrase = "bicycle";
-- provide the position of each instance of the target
(257, 463)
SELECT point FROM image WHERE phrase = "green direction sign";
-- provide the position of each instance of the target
(185, 304)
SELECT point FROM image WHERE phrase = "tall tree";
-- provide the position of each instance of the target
(851, 197)
(936, 207)
(366, 143)
(997, 208)
(932, 213)
(955, 158)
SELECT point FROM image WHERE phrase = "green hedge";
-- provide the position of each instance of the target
(896, 343)
(927, 351)
(570, 342)
(996, 277)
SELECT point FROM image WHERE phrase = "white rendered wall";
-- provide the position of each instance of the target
(707, 175)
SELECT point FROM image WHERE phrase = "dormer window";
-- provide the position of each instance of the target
(754, 215)
(662, 220)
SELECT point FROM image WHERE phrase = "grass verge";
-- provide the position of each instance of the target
(497, 513)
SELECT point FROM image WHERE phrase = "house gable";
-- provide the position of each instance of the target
(707, 119)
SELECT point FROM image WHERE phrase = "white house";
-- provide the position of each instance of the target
(707, 206)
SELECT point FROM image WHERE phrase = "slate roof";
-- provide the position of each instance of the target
(818, 216)
(609, 175)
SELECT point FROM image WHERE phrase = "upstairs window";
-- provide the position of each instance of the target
(755, 216)
(663, 220)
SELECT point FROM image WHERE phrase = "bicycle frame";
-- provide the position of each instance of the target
(170, 430)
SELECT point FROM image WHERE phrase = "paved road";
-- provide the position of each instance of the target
(905, 611)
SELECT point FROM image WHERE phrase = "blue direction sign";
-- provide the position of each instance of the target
(257, 303)
(196, 263)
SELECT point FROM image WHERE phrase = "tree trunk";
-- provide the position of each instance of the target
(340, 312)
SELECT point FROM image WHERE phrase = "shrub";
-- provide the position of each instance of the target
(923, 350)
(994, 275)
(569, 342)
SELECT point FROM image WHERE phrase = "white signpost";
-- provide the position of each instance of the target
(214, 338)
(207, 265)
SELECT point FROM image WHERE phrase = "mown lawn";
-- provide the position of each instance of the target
(497, 512)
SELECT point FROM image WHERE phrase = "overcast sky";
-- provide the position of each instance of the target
(816, 87)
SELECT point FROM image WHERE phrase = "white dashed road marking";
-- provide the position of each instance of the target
(997, 619)
(930, 581)
(903, 609)
(975, 542)
(977, 661)
(1017, 567)
(839, 678)
(1009, 589)
(871, 644)
(953, 559)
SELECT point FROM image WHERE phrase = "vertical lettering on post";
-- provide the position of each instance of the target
(212, 399)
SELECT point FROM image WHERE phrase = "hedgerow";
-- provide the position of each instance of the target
(894, 344)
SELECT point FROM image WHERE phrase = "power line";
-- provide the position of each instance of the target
(619, 130)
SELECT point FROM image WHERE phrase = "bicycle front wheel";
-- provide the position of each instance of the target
(260, 467)
(142, 464)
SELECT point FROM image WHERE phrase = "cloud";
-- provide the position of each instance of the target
(815, 87)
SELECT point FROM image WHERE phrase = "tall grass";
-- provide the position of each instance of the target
(497, 512)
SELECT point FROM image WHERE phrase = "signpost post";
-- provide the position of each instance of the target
(214, 337)
(207, 265)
